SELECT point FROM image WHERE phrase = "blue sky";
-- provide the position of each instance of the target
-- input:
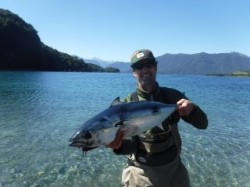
(113, 29)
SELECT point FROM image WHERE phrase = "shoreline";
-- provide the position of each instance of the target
(234, 74)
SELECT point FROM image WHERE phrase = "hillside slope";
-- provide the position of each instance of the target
(22, 49)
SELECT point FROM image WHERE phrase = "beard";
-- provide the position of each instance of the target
(147, 82)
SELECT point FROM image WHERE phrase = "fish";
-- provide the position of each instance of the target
(133, 118)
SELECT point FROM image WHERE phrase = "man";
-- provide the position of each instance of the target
(154, 157)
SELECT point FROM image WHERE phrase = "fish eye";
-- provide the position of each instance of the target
(87, 135)
(103, 120)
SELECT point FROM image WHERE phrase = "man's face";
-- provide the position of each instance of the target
(145, 74)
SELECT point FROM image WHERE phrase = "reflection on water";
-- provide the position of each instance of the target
(40, 111)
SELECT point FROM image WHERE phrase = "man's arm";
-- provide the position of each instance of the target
(191, 113)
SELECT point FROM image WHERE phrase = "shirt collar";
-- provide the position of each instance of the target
(148, 95)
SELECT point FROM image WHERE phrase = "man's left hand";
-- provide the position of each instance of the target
(185, 107)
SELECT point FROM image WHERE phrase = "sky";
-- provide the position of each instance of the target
(112, 30)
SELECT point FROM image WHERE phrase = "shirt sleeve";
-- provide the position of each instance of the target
(197, 118)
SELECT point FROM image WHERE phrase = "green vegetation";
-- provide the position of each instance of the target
(22, 49)
(237, 73)
(241, 73)
(111, 69)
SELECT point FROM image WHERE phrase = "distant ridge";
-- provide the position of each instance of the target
(97, 61)
(203, 63)
(196, 64)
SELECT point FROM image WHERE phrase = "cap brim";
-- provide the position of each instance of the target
(149, 61)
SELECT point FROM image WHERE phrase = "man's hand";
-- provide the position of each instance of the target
(117, 142)
(185, 107)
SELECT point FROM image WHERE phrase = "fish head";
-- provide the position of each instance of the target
(94, 133)
(83, 139)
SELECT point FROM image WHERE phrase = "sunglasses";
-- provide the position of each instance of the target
(141, 66)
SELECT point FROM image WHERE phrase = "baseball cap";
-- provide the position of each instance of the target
(142, 55)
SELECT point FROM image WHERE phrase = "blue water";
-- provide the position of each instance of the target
(39, 111)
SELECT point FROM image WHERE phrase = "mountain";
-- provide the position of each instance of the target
(22, 49)
(196, 64)
(97, 61)
(203, 63)
(122, 66)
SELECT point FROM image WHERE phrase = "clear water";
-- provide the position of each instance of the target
(39, 111)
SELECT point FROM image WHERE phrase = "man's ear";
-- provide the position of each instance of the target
(134, 74)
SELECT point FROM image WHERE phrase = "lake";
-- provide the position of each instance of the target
(39, 111)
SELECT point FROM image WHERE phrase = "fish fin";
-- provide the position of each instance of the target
(161, 127)
(86, 149)
(116, 102)
(107, 118)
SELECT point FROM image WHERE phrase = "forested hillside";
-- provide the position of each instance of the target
(22, 49)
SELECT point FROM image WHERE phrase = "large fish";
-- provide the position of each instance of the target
(132, 118)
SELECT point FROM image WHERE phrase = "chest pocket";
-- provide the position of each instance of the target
(156, 153)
